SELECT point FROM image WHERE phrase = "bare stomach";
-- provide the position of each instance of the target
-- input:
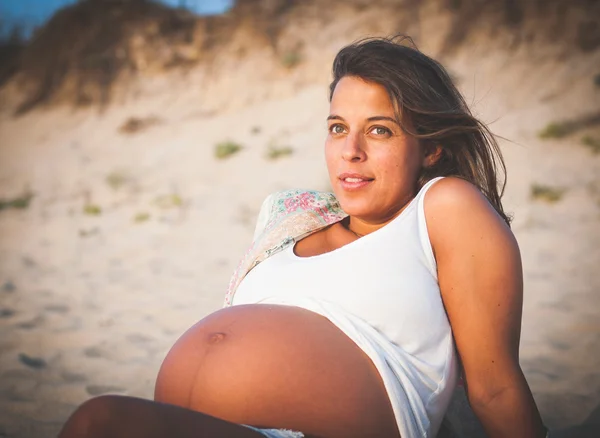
(277, 367)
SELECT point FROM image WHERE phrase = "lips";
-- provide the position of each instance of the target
(354, 176)
(354, 181)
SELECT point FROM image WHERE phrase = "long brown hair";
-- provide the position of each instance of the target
(423, 93)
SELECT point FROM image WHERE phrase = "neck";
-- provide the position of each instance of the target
(355, 233)
(355, 228)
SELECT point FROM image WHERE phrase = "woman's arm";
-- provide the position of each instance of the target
(481, 281)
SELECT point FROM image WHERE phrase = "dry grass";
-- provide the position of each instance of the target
(141, 217)
(20, 202)
(593, 143)
(226, 149)
(92, 210)
(557, 130)
(116, 179)
(85, 48)
(555, 21)
(165, 202)
(551, 195)
(275, 152)
(89, 46)
(291, 59)
(10, 50)
(565, 128)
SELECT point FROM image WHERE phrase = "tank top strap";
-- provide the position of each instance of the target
(422, 227)
(428, 185)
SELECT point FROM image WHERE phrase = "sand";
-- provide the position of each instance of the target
(131, 238)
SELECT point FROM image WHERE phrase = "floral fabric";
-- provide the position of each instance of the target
(285, 218)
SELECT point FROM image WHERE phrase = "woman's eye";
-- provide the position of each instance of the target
(378, 130)
(337, 129)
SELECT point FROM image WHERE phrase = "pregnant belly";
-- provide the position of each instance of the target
(277, 367)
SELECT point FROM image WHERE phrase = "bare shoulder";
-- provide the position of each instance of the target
(456, 209)
(451, 193)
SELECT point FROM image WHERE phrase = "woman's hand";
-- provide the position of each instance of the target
(481, 281)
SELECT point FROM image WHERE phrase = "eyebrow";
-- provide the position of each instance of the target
(370, 119)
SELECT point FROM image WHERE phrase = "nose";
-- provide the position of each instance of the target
(353, 149)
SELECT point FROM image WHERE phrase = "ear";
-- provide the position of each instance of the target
(432, 155)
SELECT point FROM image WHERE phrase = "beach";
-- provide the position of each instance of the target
(131, 222)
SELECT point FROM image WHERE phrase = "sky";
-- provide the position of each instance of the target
(32, 13)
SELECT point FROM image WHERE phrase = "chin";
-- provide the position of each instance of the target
(354, 206)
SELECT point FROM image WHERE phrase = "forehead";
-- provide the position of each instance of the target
(353, 95)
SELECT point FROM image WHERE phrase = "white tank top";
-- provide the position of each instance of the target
(381, 290)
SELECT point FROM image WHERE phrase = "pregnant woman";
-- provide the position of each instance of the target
(353, 313)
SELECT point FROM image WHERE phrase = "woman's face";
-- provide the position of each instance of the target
(373, 164)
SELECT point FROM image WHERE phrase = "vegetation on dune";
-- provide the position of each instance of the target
(565, 128)
(593, 143)
(92, 210)
(87, 47)
(168, 201)
(540, 192)
(141, 217)
(10, 49)
(20, 202)
(529, 20)
(275, 152)
(556, 130)
(116, 179)
(226, 149)
(291, 59)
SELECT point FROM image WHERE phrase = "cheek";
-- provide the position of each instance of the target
(405, 160)
(389, 165)
(330, 157)
(396, 170)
